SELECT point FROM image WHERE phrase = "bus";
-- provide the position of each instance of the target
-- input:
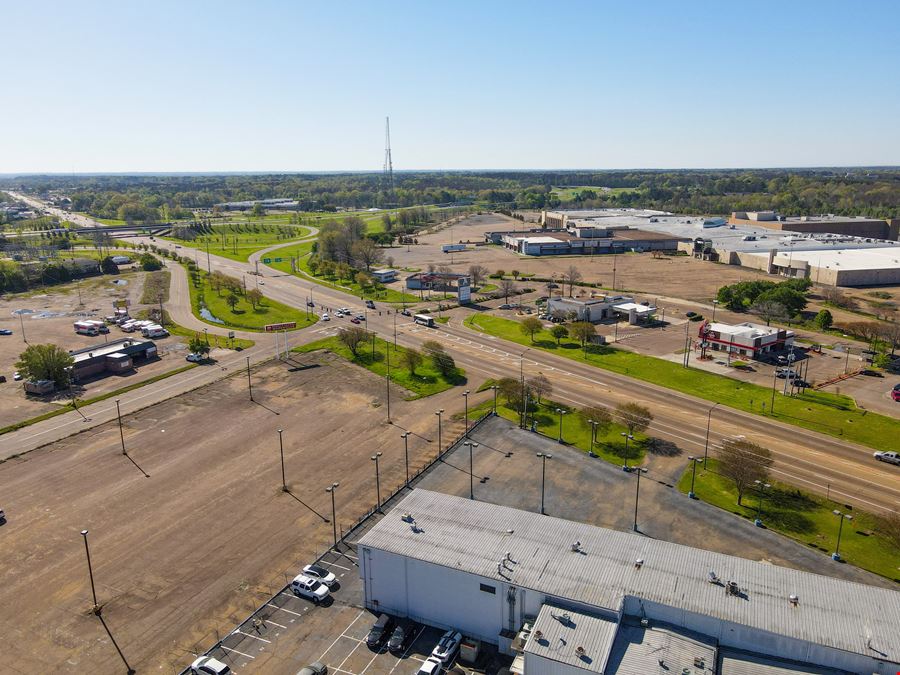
(424, 320)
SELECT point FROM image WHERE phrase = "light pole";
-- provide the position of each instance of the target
(694, 461)
(593, 436)
(387, 380)
(706, 444)
(121, 433)
(836, 556)
(637, 494)
(523, 417)
(249, 382)
(761, 488)
(561, 412)
(374, 458)
(544, 457)
(494, 388)
(439, 414)
(331, 489)
(87, 551)
(627, 437)
(471, 444)
(466, 396)
(405, 437)
(715, 304)
(281, 448)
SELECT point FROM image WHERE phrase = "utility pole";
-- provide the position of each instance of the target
(706, 444)
(440, 446)
(331, 489)
(284, 487)
(22, 326)
(387, 378)
(121, 433)
(466, 396)
(374, 458)
(543, 457)
(249, 381)
(405, 437)
(96, 608)
(637, 495)
(208, 263)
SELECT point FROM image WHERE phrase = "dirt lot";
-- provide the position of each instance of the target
(48, 318)
(191, 530)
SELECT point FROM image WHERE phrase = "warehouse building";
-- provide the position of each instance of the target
(115, 356)
(855, 226)
(831, 266)
(571, 598)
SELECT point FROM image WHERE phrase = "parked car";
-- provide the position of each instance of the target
(871, 373)
(380, 631)
(345, 310)
(207, 665)
(310, 303)
(325, 317)
(361, 317)
(400, 638)
(406, 312)
(895, 392)
(782, 373)
(17, 376)
(5, 331)
(889, 457)
(431, 666)
(355, 320)
(690, 315)
(307, 587)
(339, 313)
(2, 516)
(193, 357)
(320, 573)
(317, 668)
(505, 306)
(447, 646)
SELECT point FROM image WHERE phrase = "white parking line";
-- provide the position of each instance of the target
(331, 564)
(229, 649)
(269, 604)
(411, 643)
(273, 623)
(255, 637)
(350, 625)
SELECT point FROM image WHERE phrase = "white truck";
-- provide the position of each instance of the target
(890, 457)
(154, 331)
(86, 328)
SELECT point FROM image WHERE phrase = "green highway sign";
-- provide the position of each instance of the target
(278, 259)
(266, 261)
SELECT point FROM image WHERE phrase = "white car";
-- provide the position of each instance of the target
(325, 317)
(308, 587)
(320, 573)
(207, 665)
(193, 357)
(447, 646)
(431, 666)
(17, 375)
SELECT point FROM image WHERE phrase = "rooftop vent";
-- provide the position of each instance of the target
(794, 600)
(538, 635)
(645, 623)
(712, 578)
(576, 547)
(699, 662)
(407, 517)
(580, 650)
(639, 563)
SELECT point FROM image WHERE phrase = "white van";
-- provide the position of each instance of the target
(86, 328)
(154, 332)
(101, 325)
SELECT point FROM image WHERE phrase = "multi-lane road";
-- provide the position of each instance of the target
(811, 460)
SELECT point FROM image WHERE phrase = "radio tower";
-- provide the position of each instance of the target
(388, 164)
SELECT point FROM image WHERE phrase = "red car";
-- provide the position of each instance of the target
(355, 320)
(895, 392)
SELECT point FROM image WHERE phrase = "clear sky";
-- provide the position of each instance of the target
(305, 86)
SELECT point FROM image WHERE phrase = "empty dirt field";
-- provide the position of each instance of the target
(191, 530)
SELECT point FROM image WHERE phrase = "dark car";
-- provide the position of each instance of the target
(5, 331)
(370, 304)
(406, 312)
(871, 373)
(380, 631)
(401, 636)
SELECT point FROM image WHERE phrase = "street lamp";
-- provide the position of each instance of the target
(281, 448)
(96, 608)
(544, 457)
(471, 445)
(637, 493)
(561, 412)
(593, 436)
(249, 382)
(331, 489)
(440, 446)
(694, 461)
(715, 304)
(706, 445)
(405, 437)
(627, 437)
(466, 396)
(495, 388)
(374, 458)
(836, 556)
(121, 433)
(761, 487)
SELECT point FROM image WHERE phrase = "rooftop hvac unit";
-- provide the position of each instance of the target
(580, 650)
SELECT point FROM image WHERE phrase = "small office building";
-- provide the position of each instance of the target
(384, 276)
(115, 356)
(750, 340)
(594, 309)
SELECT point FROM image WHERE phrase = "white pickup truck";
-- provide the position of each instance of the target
(889, 457)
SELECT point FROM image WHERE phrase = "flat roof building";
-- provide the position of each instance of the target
(384, 276)
(489, 571)
(745, 339)
(856, 226)
(115, 356)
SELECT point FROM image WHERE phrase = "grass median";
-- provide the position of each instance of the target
(425, 381)
(818, 411)
(802, 516)
(238, 242)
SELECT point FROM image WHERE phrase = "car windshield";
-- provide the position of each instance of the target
(314, 585)
(318, 571)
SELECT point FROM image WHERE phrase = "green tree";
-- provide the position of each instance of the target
(258, 210)
(198, 345)
(559, 332)
(254, 297)
(232, 299)
(412, 359)
(149, 263)
(824, 319)
(531, 325)
(46, 362)
(582, 331)
(107, 266)
(353, 338)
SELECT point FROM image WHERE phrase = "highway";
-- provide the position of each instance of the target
(813, 461)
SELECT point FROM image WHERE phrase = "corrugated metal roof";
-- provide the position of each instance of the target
(748, 664)
(643, 651)
(560, 638)
(475, 536)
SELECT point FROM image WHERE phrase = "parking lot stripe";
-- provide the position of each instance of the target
(340, 636)
(269, 604)
(252, 636)
(273, 623)
(331, 564)
(229, 649)
(406, 651)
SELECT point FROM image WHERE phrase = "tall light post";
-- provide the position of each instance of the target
(22, 327)
(761, 488)
(593, 424)
(627, 437)
(281, 449)
(561, 412)
(495, 388)
(466, 396)
(405, 437)
(836, 556)
(121, 433)
(387, 380)
(439, 414)
(543, 457)
(524, 414)
(87, 551)
(374, 458)
(249, 382)
(694, 462)
(708, 423)
(471, 445)
(715, 303)
(637, 494)
(331, 489)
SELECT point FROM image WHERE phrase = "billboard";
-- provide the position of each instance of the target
(272, 327)
(463, 291)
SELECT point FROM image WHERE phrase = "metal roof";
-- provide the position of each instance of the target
(563, 631)
(646, 651)
(474, 537)
(751, 664)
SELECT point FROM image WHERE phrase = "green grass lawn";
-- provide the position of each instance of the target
(104, 221)
(831, 414)
(567, 194)
(804, 517)
(240, 245)
(425, 382)
(244, 316)
(302, 253)
(610, 444)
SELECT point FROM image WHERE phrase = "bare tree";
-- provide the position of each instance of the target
(582, 331)
(601, 417)
(367, 253)
(769, 309)
(743, 462)
(540, 386)
(254, 297)
(352, 338)
(888, 526)
(478, 273)
(571, 276)
(511, 390)
(633, 416)
(412, 359)
(507, 286)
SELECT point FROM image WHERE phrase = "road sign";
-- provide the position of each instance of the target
(231, 335)
(277, 259)
(272, 327)
(266, 261)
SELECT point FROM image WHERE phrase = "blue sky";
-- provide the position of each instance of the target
(266, 86)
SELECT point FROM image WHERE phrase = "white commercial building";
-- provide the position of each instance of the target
(573, 598)
(746, 339)
(589, 309)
